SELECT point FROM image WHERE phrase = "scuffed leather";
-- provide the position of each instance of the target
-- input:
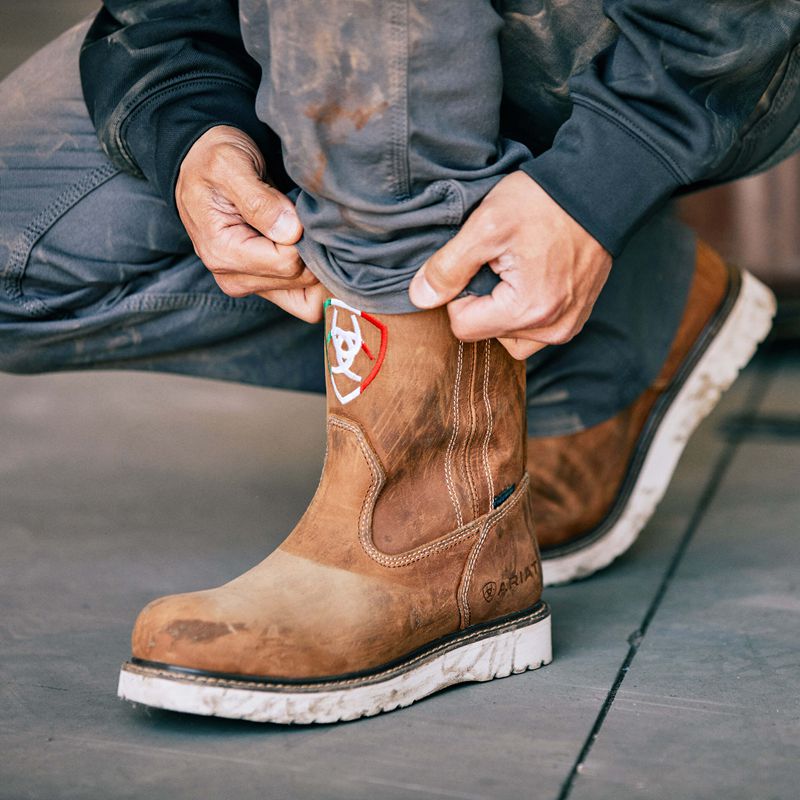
(575, 479)
(379, 564)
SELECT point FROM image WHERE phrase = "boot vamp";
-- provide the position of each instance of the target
(292, 617)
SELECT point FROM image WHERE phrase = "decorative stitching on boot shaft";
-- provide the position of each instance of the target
(461, 533)
(448, 458)
(473, 425)
(489, 422)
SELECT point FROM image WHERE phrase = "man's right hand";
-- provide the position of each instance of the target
(242, 228)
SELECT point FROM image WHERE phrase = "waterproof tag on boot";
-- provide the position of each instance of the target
(352, 364)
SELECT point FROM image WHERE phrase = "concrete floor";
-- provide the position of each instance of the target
(676, 672)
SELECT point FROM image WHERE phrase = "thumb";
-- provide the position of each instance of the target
(448, 271)
(264, 208)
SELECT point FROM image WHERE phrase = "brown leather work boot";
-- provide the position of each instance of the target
(595, 490)
(414, 567)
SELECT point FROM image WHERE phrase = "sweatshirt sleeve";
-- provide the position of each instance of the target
(662, 107)
(156, 75)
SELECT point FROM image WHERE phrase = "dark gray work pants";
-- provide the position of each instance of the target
(95, 272)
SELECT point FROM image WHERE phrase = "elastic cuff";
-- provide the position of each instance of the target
(163, 129)
(603, 175)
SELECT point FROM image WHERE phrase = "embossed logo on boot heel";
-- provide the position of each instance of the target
(492, 589)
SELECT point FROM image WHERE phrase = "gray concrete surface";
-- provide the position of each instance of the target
(676, 672)
(116, 488)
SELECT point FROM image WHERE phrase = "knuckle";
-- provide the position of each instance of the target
(218, 158)
(443, 275)
(561, 334)
(209, 256)
(261, 205)
(312, 315)
(214, 264)
(495, 219)
(224, 283)
(307, 278)
(231, 286)
(543, 315)
(220, 259)
(436, 272)
(290, 267)
(461, 328)
(215, 158)
(491, 225)
(517, 349)
(516, 314)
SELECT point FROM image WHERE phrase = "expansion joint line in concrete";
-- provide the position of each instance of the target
(760, 384)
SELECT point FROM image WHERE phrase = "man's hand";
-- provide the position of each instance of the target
(242, 228)
(551, 271)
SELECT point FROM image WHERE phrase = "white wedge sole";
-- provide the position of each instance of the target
(729, 346)
(487, 652)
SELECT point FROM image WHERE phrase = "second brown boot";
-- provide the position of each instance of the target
(595, 490)
(414, 568)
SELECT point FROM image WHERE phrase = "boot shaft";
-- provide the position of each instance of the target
(446, 419)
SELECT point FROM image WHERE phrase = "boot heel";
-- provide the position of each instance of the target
(508, 652)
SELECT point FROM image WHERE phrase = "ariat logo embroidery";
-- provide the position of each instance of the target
(492, 590)
(344, 344)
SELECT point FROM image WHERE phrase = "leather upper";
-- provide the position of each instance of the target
(404, 541)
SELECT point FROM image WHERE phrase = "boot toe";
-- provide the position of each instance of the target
(187, 630)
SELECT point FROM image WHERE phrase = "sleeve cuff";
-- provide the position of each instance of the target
(604, 176)
(169, 122)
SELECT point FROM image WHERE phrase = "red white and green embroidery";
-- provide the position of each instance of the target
(347, 343)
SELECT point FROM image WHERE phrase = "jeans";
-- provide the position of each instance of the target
(97, 273)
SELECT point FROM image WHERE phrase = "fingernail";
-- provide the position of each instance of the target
(423, 294)
(285, 227)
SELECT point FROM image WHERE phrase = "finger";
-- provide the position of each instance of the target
(492, 315)
(235, 248)
(521, 348)
(259, 256)
(306, 304)
(563, 331)
(447, 272)
(263, 207)
(501, 315)
(241, 285)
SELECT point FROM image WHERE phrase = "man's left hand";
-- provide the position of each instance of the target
(551, 271)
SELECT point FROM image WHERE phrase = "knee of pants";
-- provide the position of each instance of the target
(22, 360)
(28, 347)
(54, 317)
(51, 306)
